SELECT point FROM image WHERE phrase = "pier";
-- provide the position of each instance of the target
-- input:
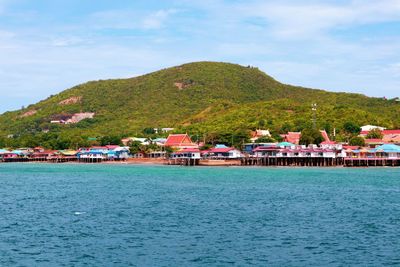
(371, 162)
(183, 161)
(292, 161)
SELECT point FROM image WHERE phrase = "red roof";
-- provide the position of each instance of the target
(179, 140)
(384, 132)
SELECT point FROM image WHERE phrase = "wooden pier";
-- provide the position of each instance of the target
(183, 161)
(292, 161)
(371, 162)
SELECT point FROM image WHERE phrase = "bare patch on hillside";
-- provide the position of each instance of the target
(71, 118)
(28, 113)
(184, 84)
(71, 100)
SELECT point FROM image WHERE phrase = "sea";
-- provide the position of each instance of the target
(128, 215)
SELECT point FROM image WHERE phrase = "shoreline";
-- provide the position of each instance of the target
(148, 163)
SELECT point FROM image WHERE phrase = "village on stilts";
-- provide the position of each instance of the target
(179, 149)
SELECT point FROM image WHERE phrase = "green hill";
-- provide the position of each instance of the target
(203, 97)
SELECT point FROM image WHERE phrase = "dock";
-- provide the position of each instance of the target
(292, 161)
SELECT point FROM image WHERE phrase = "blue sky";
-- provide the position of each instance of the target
(47, 46)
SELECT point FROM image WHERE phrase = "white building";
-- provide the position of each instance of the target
(367, 128)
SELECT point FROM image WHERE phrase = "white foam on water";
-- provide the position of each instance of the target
(79, 212)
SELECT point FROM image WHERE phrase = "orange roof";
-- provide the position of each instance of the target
(179, 140)
(292, 137)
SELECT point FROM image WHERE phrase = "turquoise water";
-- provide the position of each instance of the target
(101, 215)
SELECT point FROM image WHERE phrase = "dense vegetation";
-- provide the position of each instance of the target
(215, 102)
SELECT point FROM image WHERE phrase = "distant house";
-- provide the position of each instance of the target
(180, 141)
(109, 152)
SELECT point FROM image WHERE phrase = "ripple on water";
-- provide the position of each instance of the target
(171, 216)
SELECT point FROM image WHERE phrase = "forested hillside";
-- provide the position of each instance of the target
(199, 98)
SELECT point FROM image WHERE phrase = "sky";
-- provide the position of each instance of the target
(47, 46)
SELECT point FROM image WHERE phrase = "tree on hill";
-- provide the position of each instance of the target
(265, 139)
(375, 134)
(149, 131)
(2, 142)
(351, 128)
(310, 136)
(135, 147)
(110, 140)
(357, 141)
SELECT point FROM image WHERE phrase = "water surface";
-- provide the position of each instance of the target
(102, 215)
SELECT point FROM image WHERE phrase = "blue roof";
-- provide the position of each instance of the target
(98, 151)
(285, 144)
(18, 152)
(220, 146)
(388, 148)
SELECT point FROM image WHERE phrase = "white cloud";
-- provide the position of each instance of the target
(157, 19)
(129, 19)
(67, 41)
(291, 19)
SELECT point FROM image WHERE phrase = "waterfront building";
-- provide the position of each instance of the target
(248, 148)
(222, 152)
(187, 153)
(180, 141)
